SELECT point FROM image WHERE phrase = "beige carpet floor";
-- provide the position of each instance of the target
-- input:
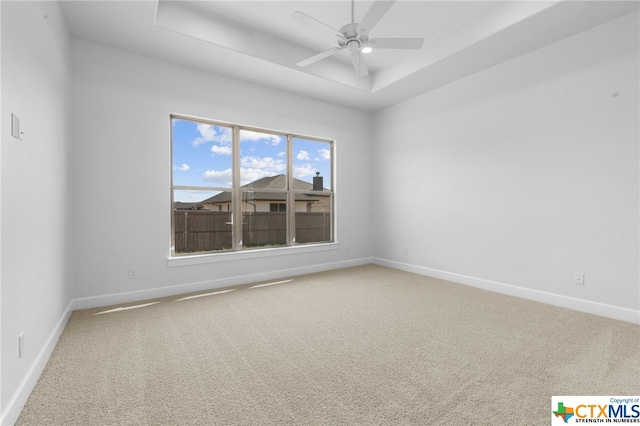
(359, 346)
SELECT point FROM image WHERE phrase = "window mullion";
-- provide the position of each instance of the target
(236, 196)
(291, 198)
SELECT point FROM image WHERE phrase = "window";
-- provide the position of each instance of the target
(237, 188)
(277, 207)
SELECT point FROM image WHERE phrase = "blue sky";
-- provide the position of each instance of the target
(202, 157)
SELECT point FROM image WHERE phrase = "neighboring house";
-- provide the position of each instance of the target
(179, 205)
(266, 201)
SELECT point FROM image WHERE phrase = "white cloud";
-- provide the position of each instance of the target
(325, 154)
(248, 135)
(302, 171)
(222, 177)
(221, 149)
(211, 133)
(302, 155)
(270, 165)
(183, 168)
(282, 154)
(251, 175)
(254, 168)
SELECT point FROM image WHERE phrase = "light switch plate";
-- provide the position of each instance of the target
(15, 127)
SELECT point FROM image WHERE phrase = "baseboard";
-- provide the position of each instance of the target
(581, 305)
(19, 399)
(136, 296)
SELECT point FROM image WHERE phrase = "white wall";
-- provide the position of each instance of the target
(1, 138)
(36, 197)
(521, 175)
(121, 166)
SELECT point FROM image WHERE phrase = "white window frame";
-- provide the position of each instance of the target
(237, 250)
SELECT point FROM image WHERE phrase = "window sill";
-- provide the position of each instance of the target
(199, 259)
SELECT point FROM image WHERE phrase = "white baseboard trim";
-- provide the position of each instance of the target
(19, 399)
(153, 293)
(581, 305)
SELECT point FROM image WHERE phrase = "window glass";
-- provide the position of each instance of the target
(263, 160)
(312, 184)
(237, 188)
(262, 225)
(313, 227)
(312, 159)
(202, 154)
(202, 221)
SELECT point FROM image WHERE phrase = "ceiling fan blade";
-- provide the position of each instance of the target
(319, 56)
(359, 65)
(373, 15)
(305, 19)
(396, 43)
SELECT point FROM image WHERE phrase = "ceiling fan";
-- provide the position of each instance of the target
(354, 36)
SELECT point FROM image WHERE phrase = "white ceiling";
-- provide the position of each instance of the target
(258, 42)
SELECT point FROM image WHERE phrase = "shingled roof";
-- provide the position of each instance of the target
(272, 182)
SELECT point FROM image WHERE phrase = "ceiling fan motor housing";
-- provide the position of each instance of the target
(352, 40)
(349, 30)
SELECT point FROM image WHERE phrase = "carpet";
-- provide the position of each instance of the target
(367, 345)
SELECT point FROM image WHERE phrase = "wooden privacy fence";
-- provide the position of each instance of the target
(198, 230)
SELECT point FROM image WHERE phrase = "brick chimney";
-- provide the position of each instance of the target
(317, 182)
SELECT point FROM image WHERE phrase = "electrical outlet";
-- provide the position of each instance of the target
(20, 345)
(348, 249)
(133, 274)
(405, 251)
(578, 278)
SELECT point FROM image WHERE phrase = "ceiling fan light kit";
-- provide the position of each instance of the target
(354, 37)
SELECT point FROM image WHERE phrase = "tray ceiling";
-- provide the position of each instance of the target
(258, 42)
